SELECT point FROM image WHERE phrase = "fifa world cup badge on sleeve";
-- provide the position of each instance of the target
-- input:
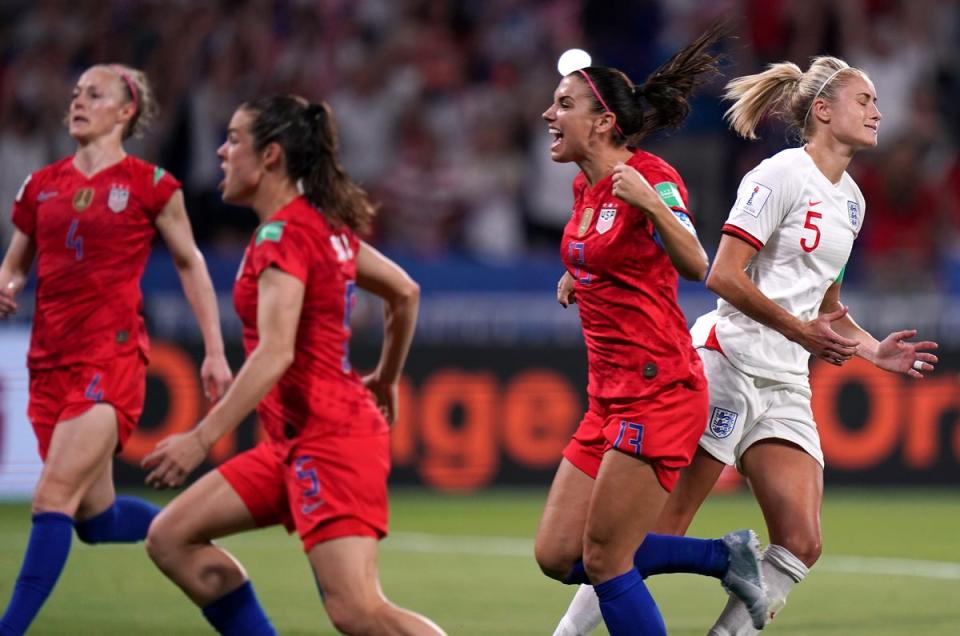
(752, 201)
(722, 422)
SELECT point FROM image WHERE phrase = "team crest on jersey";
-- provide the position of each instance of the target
(585, 221)
(606, 218)
(854, 211)
(118, 198)
(82, 199)
(722, 422)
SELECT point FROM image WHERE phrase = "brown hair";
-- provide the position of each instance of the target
(662, 101)
(307, 133)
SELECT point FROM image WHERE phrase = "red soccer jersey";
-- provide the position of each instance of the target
(93, 237)
(319, 391)
(626, 288)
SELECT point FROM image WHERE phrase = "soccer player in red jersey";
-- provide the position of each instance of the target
(629, 236)
(89, 221)
(323, 469)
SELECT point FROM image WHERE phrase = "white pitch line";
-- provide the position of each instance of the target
(518, 547)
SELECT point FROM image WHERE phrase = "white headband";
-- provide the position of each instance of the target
(822, 86)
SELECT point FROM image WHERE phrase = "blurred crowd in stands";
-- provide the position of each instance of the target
(439, 103)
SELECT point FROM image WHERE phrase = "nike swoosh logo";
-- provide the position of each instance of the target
(813, 203)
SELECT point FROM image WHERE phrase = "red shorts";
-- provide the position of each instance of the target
(62, 393)
(663, 430)
(322, 487)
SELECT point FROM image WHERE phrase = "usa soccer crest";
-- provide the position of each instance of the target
(722, 422)
(854, 211)
(118, 198)
(605, 221)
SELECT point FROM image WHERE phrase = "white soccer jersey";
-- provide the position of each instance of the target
(804, 228)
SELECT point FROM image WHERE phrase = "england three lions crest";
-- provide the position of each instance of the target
(605, 221)
(722, 422)
(854, 211)
(118, 198)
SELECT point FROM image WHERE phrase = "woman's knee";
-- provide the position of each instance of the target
(602, 562)
(554, 560)
(352, 615)
(165, 540)
(56, 493)
(806, 546)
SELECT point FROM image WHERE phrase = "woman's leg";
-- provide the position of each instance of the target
(180, 544)
(626, 502)
(693, 486)
(104, 517)
(346, 573)
(692, 489)
(559, 542)
(79, 448)
(788, 485)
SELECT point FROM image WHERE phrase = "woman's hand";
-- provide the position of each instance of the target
(8, 303)
(566, 295)
(216, 376)
(385, 394)
(174, 459)
(819, 338)
(632, 188)
(895, 354)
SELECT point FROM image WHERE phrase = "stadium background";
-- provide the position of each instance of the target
(439, 104)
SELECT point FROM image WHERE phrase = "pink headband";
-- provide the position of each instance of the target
(129, 82)
(596, 94)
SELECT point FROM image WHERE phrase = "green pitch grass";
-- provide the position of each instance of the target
(891, 567)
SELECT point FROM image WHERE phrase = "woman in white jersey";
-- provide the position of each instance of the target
(778, 272)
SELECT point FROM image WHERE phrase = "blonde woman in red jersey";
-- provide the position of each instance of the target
(629, 237)
(89, 220)
(323, 470)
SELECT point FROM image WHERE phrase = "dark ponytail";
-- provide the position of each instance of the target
(308, 135)
(662, 101)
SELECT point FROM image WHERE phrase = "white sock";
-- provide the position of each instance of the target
(781, 571)
(583, 614)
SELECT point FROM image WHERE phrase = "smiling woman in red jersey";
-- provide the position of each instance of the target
(323, 469)
(89, 221)
(629, 237)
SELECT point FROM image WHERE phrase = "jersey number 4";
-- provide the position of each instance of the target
(810, 225)
(75, 242)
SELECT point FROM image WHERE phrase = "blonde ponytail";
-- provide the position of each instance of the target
(788, 93)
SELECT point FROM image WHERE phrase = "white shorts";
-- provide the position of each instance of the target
(745, 409)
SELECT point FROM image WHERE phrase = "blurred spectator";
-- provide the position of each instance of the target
(901, 229)
(23, 150)
(439, 102)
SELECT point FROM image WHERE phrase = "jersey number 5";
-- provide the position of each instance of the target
(809, 224)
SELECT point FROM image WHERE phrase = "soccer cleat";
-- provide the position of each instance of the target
(744, 578)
